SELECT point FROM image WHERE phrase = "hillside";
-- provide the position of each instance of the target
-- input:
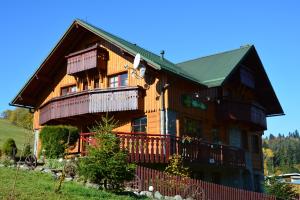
(8, 130)
(282, 153)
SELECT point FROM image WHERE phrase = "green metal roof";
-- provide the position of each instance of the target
(154, 60)
(213, 70)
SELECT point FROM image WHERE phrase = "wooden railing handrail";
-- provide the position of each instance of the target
(93, 91)
(176, 138)
(157, 148)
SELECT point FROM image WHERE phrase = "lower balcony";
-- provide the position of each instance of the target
(92, 101)
(153, 148)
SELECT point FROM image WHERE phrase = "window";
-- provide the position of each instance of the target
(120, 80)
(96, 83)
(247, 77)
(255, 143)
(192, 127)
(68, 90)
(139, 125)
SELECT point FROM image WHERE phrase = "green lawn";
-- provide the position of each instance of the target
(35, 185)
(8, 130)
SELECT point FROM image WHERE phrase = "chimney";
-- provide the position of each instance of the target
(162, 53)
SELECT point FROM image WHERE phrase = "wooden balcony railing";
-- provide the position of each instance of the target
(86, 59)
(92, 101)
(153, 148)
(230, 110)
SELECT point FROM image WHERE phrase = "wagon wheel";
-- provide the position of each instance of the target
(135, 184)
(31, 161)
(196, 192)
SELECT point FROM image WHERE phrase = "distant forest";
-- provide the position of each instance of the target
(282, 153)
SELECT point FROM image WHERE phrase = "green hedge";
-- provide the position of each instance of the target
(55, 139)
(9, 147)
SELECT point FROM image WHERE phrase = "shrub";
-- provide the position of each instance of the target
(55, 139)
(106, 163)
(282, 190)
(176, 167)
(70, 168)
(10, 148)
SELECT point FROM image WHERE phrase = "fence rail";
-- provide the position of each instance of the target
(170, 185)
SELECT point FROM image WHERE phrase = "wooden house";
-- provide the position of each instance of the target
(211, 110)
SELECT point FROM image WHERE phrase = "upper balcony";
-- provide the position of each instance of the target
(92, 101)
(250, 113)
(86, 59)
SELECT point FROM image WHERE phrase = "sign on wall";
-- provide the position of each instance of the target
(192, 102)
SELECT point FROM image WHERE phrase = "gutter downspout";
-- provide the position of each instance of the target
(163, 110)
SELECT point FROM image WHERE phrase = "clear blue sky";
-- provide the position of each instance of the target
(184, 29)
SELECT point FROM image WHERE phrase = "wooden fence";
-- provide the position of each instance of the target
(170, 185)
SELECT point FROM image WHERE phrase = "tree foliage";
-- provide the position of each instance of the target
(106, 163)
(20, 117)
(282, 190)
(55, 139)
(285, 153)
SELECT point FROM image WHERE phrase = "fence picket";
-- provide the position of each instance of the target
(170, 185)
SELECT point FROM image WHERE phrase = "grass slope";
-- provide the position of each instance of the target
(35, 185)
(8, 130)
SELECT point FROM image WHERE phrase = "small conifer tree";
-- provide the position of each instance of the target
(106, 163)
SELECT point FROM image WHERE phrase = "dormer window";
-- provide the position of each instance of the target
(247, 77)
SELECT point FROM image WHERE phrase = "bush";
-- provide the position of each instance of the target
(282, 190)
(106, 163)
(176, 167)
(55, 139)
(10, 148)
(70, 168)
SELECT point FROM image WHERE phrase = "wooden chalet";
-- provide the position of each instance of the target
(211, 110)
